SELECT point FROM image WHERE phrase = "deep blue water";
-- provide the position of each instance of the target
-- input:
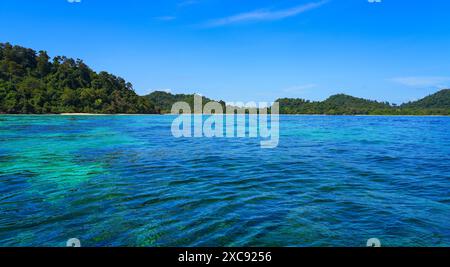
(126, 181)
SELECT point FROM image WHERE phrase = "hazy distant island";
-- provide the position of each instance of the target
(33, 83)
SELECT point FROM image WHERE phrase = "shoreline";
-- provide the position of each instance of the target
(304, 115)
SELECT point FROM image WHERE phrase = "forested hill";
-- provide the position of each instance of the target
(439, 100)
(335, 105)
(163, 101)
(436, 104)
(32, 82)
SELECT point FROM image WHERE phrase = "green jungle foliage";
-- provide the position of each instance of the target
(436, 104)
(33, 83)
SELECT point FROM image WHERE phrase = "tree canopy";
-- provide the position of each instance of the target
(33, 83)
(436, 104)
(163, 101)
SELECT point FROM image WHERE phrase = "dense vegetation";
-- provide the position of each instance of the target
(337, 104)
(163, 101)
(436, 104)
(33, 83)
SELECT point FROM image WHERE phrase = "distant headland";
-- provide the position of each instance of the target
(33, 83)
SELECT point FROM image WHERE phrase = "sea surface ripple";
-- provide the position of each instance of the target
(126, 181)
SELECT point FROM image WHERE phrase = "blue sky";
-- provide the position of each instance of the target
(244, 50)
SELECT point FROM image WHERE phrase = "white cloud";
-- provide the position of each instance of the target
(74, 1)
(265, 15)
(423, 81)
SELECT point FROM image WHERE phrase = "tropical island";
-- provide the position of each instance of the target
(33, 83)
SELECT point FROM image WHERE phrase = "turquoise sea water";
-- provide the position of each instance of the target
(125, 181)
